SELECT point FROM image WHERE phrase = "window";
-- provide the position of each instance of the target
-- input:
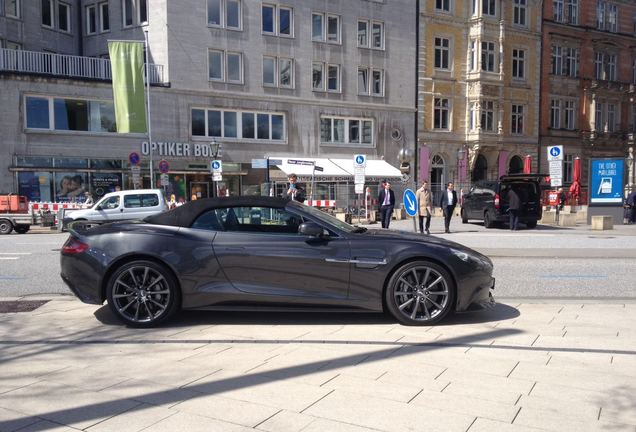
(441, 114)
(472, 55)
(370, 81)
(238, 124)
(569, 120)
(333, 78)
(69, 114)
(488, 7)
(488, 56)
(517, 119)
(442, 47)
(215, 65)
(519, 12)
(104, 17)
(377, 88)
(234, 67)
(47, 13)
(472, 116)
(91, 19)
(141, 200)
(442, 5)
(277, 20)
(225, 66)
(363, 33)
(64, 17)
(571, 62)
(318, 76)
(278, 72)
(376, 39)
(605, 66)
(130, 18)
(634, 71)
(557, 60)
(611, 117)
(225, 13)
(610, 69)
(572, 11)
(555, 114)
(337, 130)
(377, 35)
(568, 163)
(12, 8)
(325, 28)
(487, 116)
(253, 220)
(557, 10)
(518, 63)
(612, 18)
(598, 118)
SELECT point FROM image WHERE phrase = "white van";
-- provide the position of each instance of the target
(121, 205)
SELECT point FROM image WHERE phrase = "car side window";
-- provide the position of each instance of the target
(132, 201)
(110, 203)
(149, 200)
(265, 220)
(208, 221)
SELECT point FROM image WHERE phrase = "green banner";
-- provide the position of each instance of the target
(127, 63)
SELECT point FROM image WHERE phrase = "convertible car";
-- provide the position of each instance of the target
(264, 253)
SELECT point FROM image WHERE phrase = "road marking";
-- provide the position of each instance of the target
(574, 277)
(15, 253)
(9, 258)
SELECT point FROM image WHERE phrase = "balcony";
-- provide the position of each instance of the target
(64, 66)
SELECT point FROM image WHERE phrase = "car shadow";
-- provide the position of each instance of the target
(188, 318)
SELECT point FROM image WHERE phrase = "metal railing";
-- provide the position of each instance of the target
(62, 65)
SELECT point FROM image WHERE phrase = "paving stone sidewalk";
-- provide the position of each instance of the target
(558, 366)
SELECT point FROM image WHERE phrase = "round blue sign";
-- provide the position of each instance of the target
(216, 165)
(410, 202)
(359, 159)
(134, 158)
(555, 151)
(164, 166)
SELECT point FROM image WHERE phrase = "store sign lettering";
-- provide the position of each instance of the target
(177, 149)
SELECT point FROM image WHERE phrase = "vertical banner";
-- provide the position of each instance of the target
(127, 63)
(503, 162)
(424, 164)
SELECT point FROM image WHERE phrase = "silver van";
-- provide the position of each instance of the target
(121, 205)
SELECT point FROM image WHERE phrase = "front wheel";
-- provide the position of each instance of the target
(142, 294)
(420, 293)
(488, 221)
(531, 224)
(464, 217)
(5, 226)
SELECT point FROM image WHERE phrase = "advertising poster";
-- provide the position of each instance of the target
(35, 185)
(103, 183)
(607, 181)
(70, 187)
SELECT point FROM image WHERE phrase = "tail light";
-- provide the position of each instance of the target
(73, 246)
(497, 201)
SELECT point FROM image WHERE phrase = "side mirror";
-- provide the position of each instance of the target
(311, 229)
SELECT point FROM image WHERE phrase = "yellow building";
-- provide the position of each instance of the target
(478, 88)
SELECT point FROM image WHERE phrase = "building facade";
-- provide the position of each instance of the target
(303, 78)
(478, 90)
(588, 81)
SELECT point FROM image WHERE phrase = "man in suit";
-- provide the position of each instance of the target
(386, 198)
(448, 203)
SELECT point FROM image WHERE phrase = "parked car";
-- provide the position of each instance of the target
(260, 253)
(121, 205)
(488, 200)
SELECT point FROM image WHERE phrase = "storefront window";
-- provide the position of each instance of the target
(35, 185)
(105, 164)
(70, 186)
(37, 113)
(103, 183)
(176, 187)
(70, 163)
(30, 161)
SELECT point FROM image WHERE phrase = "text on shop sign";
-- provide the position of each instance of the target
(177, 149)
(607, 168)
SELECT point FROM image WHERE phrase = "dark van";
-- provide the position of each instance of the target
(488, 200)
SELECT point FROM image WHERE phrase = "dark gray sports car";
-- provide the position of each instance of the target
(269, 253)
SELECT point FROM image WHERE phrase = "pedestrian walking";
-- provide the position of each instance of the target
(514, 206)
(448, 202)
(386, 198)
(630, 211)
(425, 203)
(295, 192)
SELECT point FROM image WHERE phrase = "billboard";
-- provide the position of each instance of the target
(607, 177)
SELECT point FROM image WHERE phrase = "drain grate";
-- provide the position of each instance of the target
(20, 305)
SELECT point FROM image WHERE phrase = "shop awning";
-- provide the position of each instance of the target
(375, 168)
(303, 167)
(339, 169)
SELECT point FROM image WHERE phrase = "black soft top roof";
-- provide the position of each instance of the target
(185, 215)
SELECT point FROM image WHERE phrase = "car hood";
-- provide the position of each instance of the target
(415, 237)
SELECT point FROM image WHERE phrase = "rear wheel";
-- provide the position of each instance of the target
(488, 220)
(5, 226)
(464, 217)
(22, 229)
(143, 294)
(531, 224)
(420, 293)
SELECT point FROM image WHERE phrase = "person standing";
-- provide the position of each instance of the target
(448, 203)
(295, 192)
(386, 198)
(514, 205)
(425, 203)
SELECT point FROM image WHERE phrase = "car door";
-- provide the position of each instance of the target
(262, 254)
(108, 209)
(138, 206)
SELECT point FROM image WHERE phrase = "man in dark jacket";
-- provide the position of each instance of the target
(448, 203)
(295, 192)
(514, 205)
(386, 198)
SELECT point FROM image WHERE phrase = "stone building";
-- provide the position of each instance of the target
(478, 89)
(298, 79)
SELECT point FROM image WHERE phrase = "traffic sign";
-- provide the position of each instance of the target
(360, 161)
(134, 158)
(165, 180)
(216, 166)
(555, 153)
(410, 202)
(217, 176)
(300, 162)
(164, 166)
(359, 188)
(318, 168)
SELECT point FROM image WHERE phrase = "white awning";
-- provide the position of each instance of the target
(304, 167)
(375, 168)
(336, 169)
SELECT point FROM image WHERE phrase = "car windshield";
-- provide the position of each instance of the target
(330, 220)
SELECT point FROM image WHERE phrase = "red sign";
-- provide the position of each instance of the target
(164, 166)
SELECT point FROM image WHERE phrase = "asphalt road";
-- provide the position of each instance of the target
(528, 263)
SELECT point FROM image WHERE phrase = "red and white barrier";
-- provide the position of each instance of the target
(321, 203)
(54, 206)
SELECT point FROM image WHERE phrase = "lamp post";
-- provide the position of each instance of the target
(461, 164)
(216, 149)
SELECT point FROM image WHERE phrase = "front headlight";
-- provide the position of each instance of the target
(479, 261)
(461, 255)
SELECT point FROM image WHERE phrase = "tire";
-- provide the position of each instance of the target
(5, 226)
(488, 222)
(463, 214)
(413, 283)
(22, 229)
(531, 224)
(143, 294)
